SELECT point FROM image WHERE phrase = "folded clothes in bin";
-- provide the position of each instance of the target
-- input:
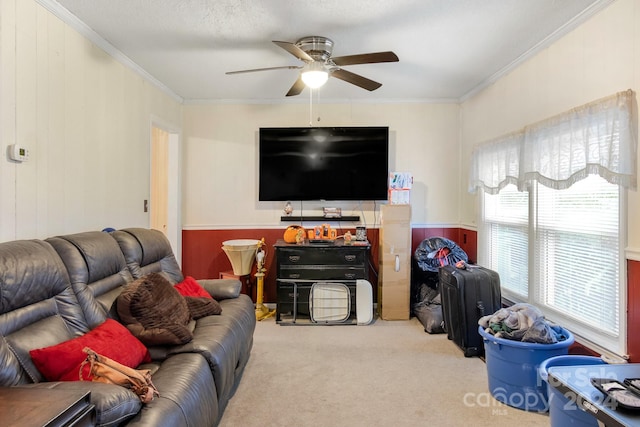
(522, 322)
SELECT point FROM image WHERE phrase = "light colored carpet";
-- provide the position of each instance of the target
(390, 373)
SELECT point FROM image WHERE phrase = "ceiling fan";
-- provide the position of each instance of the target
(315, 52)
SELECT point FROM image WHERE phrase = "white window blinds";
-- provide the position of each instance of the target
(577, 252)
(506, 226)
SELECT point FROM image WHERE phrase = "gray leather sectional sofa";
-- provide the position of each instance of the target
(61, 288)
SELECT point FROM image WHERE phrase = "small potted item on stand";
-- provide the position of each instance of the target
(294, 234)
(347, 238)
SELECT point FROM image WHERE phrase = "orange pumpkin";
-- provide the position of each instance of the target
(292, 231)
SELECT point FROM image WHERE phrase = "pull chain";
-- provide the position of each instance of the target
(310, 107)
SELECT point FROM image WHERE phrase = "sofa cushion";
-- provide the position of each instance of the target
(189, 287)
(61, 362)
(148, 251)
(154, 311)
(97, 269)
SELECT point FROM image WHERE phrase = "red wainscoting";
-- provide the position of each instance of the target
(633, 310)
(466, 239)
(203, 257)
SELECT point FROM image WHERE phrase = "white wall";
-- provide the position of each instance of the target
(220, 154)
(599, 58)
(86, 120)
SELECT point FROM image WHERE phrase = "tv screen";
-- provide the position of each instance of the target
(323, 163)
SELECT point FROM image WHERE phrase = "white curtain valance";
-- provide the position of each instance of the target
(596, 138)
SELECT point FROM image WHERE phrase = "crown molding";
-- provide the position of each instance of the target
(67, 17)
(71, 20)
(335, 101)
(543, 44)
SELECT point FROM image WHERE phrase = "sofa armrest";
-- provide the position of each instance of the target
(221, 289)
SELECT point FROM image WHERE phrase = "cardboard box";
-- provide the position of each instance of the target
(394, 300)
(394, 287)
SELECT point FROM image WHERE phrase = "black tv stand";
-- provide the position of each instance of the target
(318, 218)
(299, 267)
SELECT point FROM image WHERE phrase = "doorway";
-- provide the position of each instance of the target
(164, 191)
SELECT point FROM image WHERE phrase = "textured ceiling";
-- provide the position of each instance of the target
(448, 49)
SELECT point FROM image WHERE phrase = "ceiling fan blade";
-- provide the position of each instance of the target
(295, 51)
(355, 79)
(297, 87)
(286, 67)
(365, 58)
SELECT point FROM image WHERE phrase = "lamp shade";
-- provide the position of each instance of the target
(314, 75)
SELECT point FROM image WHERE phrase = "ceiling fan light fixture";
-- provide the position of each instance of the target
(314, 75)
(315, 52)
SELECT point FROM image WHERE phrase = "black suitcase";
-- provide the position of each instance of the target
(467, 295)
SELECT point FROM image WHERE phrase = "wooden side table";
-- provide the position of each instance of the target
(245, 279)
(36, 407)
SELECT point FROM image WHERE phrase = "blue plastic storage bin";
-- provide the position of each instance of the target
(512, 368)
(562, 411)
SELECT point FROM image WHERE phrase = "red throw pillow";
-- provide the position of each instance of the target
(189, 287)
(61, 362)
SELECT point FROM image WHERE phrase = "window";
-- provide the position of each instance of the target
(506, 229)
(553, 214)
(573, 272)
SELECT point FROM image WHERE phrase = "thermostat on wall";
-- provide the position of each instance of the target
(18, 153)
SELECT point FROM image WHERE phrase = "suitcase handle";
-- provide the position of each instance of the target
(480, 309)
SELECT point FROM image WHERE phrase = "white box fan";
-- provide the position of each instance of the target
(330, 302)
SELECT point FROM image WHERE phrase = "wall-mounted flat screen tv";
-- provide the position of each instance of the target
(323, 163)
